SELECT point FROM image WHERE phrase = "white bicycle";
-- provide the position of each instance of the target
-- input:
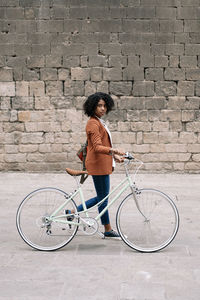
(147, 219)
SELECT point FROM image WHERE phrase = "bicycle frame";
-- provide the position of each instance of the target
(128, 183)
(139, 219)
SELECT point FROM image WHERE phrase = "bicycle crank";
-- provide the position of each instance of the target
(89, 225)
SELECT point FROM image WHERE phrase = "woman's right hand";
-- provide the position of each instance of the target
(118, 158)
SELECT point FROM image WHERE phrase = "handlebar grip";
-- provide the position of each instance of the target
(128, 156)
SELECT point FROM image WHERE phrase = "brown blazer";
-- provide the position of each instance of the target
(98, 160)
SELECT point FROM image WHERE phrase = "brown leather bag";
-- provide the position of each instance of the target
(82, 153)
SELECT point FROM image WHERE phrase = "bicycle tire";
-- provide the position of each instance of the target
(31, 214)
(155, 232)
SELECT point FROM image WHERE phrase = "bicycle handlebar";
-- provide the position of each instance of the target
(128, 156)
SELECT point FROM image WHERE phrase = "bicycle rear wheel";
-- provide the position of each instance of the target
(153, 226)
(33, 224)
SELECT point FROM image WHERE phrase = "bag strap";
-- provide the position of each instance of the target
(84, 176)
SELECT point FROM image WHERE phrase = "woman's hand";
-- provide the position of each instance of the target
(117, 151)
(118, 158)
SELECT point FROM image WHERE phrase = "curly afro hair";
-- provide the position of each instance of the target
(91, 103)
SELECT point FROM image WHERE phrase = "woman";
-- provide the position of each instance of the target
(101, 157)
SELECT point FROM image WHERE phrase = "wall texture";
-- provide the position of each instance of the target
(54, 53)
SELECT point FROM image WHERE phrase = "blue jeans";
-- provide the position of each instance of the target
(102, 186)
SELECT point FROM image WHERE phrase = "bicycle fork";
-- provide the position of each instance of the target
(136, 192)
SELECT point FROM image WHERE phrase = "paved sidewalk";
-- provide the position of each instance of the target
(90, 268)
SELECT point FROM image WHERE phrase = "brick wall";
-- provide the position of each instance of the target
(54, 53)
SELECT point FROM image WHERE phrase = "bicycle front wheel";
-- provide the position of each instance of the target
(150, 226)
(33, 223)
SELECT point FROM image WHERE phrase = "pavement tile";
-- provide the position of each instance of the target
(90, 267)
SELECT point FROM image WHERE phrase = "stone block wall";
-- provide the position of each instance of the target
(54, 53)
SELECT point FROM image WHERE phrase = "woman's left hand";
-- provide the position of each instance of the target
(118, 158)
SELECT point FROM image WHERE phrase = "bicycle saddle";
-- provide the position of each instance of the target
(75, 172)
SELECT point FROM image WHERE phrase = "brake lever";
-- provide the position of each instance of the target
(128, 156)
